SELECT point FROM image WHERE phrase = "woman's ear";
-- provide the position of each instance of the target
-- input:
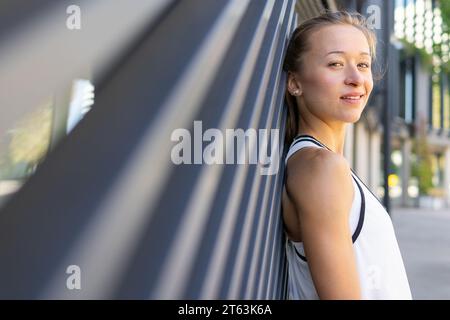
(294, 86)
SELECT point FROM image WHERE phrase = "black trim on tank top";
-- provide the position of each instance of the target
(317, 142)
(363, 199)
(299, 138)
(298, 253)
(362, 212)
(369, 189)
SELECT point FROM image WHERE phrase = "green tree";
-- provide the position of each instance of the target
(445, 12)
(421, 168)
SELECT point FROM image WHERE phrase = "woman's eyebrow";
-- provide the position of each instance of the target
(343, 52)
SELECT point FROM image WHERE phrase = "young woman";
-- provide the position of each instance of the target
(340, 239)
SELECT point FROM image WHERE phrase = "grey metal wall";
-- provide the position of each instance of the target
(110, 200)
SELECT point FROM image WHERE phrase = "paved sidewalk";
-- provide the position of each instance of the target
(424, 239)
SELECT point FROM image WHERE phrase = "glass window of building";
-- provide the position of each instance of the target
(27, 142)
(436, 102)
(408, 84)
(446, 104)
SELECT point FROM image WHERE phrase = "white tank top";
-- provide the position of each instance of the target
(380, 266)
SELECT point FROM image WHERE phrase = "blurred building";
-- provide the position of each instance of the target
(411, 101)
(422, 118)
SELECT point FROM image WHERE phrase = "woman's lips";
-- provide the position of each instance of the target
(353, 99)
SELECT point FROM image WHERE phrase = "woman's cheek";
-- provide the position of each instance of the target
(328, 78)
(369, 84)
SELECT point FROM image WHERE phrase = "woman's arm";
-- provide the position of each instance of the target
(321, 190)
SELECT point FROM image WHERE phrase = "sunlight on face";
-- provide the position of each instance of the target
(336, 77)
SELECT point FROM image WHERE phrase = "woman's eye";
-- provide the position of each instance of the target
(335, 64)
(340, 64)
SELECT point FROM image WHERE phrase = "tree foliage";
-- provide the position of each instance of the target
(422, 168)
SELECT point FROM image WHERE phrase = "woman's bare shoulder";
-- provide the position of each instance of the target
(315, 175)
(312, 160)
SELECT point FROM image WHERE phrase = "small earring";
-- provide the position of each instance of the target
(296, 92)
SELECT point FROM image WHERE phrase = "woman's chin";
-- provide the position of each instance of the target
(352, 117)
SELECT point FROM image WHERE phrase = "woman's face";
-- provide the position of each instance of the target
(336, 79)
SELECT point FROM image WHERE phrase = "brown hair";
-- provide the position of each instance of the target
(298, 45)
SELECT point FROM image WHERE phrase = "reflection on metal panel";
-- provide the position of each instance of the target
(110, 214)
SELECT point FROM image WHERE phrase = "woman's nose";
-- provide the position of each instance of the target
(354, 77)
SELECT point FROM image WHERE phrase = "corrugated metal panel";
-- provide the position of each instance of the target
(110, 200)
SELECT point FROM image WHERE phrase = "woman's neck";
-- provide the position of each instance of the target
(334, 140)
